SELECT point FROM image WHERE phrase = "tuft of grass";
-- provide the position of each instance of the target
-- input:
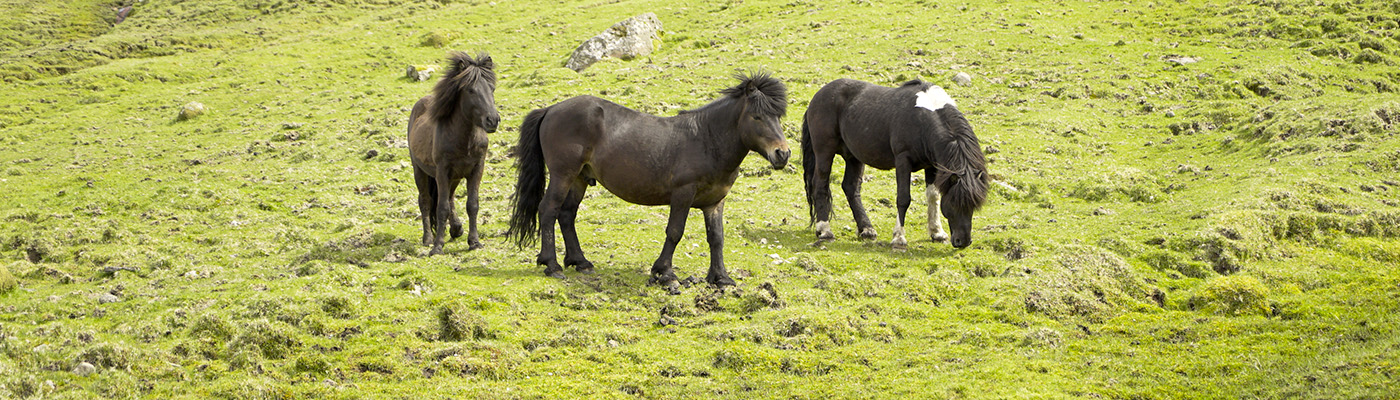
(8, 283)
(457, 322)
(1232, 295)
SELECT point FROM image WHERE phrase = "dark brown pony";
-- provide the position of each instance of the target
(686, 161)
(909, 128)
(447, 142)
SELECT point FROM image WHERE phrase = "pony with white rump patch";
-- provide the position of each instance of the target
(916, 126)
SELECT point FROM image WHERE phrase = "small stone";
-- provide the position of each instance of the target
(192, 275)
(107, 298)
(1103, 211)
(612, 343)
(372, 153)
(1184, 60)
(394, 257)
(84, 369)
(1079, 36)
(962, 79)
(291, 125)
(1171, 114)
(190, 110)
(420, 72)
(991, 150)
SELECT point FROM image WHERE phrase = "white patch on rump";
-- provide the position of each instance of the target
(934, 98)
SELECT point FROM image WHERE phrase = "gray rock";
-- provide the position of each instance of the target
(84, 369)
(962, 79)
(107, 298)
(190, 110)
(633, 37)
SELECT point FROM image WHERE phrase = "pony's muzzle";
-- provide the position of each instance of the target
(780, 158)
(960, 241)
(490, 122)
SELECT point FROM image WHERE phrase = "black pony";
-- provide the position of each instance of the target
(447, 142)
(686, 161)
(912, 127)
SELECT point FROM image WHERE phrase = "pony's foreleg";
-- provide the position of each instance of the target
(553, 200)
(851, 185)
(473, 206)
(426, 198)
(935, 228)
(714, 233)
(662, 272)
(573, 252)
(445, 189)
(902, 199)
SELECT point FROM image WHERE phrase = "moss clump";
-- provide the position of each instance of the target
(437, 39)
(456, 322)
(483, 360)
(1232, 295)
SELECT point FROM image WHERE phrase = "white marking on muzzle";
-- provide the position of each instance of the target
(934, 98)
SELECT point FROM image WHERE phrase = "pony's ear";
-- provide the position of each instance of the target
(486, 62)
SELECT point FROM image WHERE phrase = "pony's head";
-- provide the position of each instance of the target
(762, 101)
(468, 89)
(962, 169)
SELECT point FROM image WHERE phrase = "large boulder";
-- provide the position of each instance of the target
(630, 38)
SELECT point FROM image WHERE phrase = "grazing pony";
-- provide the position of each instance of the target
(447, 142)
(912, 127)
(686, 161)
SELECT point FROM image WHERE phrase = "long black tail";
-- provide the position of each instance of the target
(529, 183)
(809, 166)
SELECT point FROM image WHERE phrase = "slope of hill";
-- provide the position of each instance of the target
(1190, 201)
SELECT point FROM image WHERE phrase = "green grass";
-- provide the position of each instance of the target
(1220, 229)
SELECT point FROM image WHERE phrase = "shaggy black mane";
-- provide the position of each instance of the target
(463, 72)
(766, 95)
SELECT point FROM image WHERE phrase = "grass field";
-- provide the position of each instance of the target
(1191, 200)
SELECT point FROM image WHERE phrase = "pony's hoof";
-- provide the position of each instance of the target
(667, 280)
(475, 245)
(435, 251)
(555, 274)
(899, 245)
(939, 237)
(720, 282)
(868, 233)
(456, 231)
(584, 267)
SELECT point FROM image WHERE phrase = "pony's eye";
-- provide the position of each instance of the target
(757, 118)
(953, 179)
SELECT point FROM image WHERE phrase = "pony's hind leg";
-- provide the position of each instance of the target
(445, 189)
(851, 185)
(821, 196)
(427, 197)
(473, 206)
(550, 207)
(902, 199)
(573, 252)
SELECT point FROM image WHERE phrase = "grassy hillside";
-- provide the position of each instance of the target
(1191, 201)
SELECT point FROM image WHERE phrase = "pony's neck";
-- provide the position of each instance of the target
(715, 125)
